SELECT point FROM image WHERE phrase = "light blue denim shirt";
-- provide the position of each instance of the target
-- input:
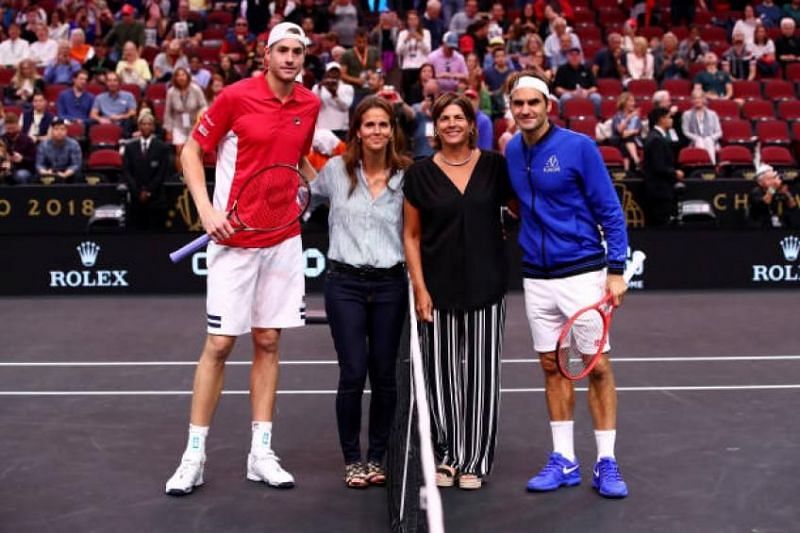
(362, 231)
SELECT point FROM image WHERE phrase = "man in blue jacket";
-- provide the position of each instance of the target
(565, 194)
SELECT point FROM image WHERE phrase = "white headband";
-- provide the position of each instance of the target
(529, 82)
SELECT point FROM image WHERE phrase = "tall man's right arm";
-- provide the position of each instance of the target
(215, 222)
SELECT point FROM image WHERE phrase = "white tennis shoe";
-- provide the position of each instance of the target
(267, 468)
(188, 476)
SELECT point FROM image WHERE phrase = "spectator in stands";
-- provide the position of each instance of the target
(663, 99)
(5, 164)
(629, 28)
(464, 19)
(494, 44)
(639, 61)
(561, 7)
(185, 27)
(75, 104)
(28, 17)
(215, 87)
(772, 203)
(693, 49)
(787, 46)
(155, 23)
(482, 121)
(145, 167)
(660, 174)
(79, 51)
(21, 150)
(358, 61)
(183, 104)
(344, 22)
(309, 9)
(763, 50)
(114, 106)
(448, 63)
(550, 18)
(100, 64)
(714, 82)
(200, 75)
(529, 20)
(44, 50)
(384, 38)
(128, 29)
(670, 64)
(626, 129)
(336, 99)
(14, 49)
(58, 157)
(701, 125)
(239, 42)
(91, 28)
(747, 24)
(432, 21)
(422, 138)
(167, 61)
(683, 11)
(228, 70)
(738, 60)
(475, 39)
(414, 94)
(59, 28)
(63, 68)
(498, 73)
(413, 47)
(132, 69)
(769, 13)
(25, 82)
(610, 61)
(575, 80)
(553, 44)
(36, 121)
(475, 80)
(792, 10)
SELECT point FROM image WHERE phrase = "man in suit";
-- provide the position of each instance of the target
(660, 174)
(145, 166)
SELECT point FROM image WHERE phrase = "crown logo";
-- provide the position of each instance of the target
(791, 247)
(88, 251)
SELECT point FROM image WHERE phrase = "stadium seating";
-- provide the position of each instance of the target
(746, 89)
(758, 110)
(778, 90)
(677, 87)
(789, 110)
(737, 131)
(695, 162)
(734, 160)
(104, 135)
(578, 107)
(726, 109)
(772, 132)
(642, 88)
(585, 125)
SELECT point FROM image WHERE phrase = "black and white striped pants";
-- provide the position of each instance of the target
(461, 353)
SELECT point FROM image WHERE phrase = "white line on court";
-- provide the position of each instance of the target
(332, 392)
(312, 362)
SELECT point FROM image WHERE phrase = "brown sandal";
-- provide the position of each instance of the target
(445, 476)
(469, 482)
(355, 476)
(376, 475)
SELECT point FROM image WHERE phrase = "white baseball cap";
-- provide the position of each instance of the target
(332, 65)
(287, 30)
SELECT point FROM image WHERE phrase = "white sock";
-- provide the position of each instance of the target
(563, 441)
(261, 443)
(605, 442)
(196, 446)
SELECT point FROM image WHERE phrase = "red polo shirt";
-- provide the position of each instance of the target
(250, 128)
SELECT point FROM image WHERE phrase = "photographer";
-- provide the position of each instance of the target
(772, 203)
(336, 98)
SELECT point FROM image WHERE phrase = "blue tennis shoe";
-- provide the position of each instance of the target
(558, 472)
(607, 480)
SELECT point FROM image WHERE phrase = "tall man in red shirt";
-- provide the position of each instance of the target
(255, 280)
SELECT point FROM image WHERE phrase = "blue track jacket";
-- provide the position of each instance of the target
(565, 193)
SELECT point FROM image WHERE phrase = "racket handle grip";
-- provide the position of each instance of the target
(188, 249)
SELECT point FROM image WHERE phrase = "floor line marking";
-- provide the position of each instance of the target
(333, 362)
(316, 392)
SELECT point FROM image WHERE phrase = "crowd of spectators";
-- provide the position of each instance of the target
(84, 73)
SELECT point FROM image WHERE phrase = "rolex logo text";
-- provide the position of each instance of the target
(88, 253)
(790, 249)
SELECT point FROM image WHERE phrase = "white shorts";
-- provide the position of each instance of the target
(255, 288)
(550, 302)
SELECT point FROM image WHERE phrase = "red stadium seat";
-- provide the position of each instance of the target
(695, 162)
(132, 88)
(746, 89)
(578, 107)
(584, 16)
(713, 33)
(777, 156)
(733, 160)
(609, 87)
(107, 163)
(793, 72)
(642, 88)
(221, 18)
(5, 75)
(149, 53)
(758, 110)
(778, 90)
(105, 135)
(589, 30)
(214, 33)
(612, 157)
(158, 109)
(208, 54)
(652, 31)
(726, 109)
(607, 109)
(95, 88)
(789, 110)
(585, 125)
(76, 130)
(737, 131)
(156, 92)
(772, 132)
(695, 69)
(645, 106)
(677, 87)
(52, 91)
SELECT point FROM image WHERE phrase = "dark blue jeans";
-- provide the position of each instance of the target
(366, 320)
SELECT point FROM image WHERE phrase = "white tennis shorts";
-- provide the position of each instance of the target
(550, 302)
(255, 288)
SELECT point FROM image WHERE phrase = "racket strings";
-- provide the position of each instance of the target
(584, 340)
(272, 199)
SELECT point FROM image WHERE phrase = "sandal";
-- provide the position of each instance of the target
(355, 476)
(445, 476)
(376, 475)
(469, 482)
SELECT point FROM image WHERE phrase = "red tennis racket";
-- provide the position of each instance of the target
(583, 337)
(272, 199)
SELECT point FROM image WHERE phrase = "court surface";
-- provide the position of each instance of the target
(94, 409)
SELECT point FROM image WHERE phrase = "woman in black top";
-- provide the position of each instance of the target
(455, 253)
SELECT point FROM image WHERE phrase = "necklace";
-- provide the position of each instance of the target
(460, 163)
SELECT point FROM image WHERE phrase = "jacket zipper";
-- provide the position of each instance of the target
(533, 203)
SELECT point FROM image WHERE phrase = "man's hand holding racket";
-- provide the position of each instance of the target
(216, 224)
(616, 287)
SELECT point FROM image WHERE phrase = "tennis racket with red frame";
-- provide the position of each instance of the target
(272, 199)
(583, 337)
